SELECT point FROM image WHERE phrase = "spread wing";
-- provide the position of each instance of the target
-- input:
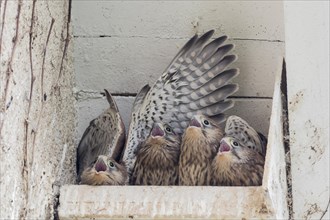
(240, 129)
(197, 81)
(105, 135)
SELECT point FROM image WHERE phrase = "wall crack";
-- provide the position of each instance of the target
(286, 139)
(9, 70)
(27, 162)
(66, 45)
(326, 210)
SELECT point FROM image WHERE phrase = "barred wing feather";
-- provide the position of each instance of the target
(197, 81)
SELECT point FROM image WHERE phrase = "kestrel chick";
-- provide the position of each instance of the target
(105, 171)
(237, 165)
(198, 148)
(158, 158)
(105, 135)
(241, 156)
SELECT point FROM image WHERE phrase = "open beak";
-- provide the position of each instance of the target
(224, 146)
(157, 130)
(195, 122)
(100, 165)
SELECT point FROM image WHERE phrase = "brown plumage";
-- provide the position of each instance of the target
(158, 158)
(105, 171)
(105, 135)
(198, 148)
(237, 165)
(241, 156)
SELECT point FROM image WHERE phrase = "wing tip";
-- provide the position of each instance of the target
(230, 88)
(219, 40)
(235, 72)
(208, 33)
(233, 57)
(236, 87)
(145, 88)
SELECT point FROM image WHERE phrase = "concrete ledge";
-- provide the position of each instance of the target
(83, 202)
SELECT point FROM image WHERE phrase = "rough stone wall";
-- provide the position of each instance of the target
(37, 118)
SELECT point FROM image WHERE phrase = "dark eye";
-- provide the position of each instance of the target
(168, 129)
(111, 164)
(235, 143)
(206, 122)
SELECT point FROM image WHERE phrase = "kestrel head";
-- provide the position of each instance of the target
(205, 127)
(162, 147)
(234, 149)
(104, 171)
(165, 132)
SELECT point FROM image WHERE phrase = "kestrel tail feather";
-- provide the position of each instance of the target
(140, 97)
(117, 143)
(111, 101)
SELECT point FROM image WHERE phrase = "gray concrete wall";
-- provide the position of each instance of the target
(37, 115)
(122, 45)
